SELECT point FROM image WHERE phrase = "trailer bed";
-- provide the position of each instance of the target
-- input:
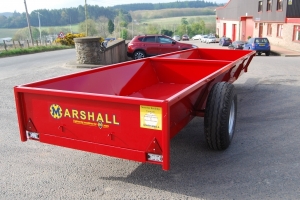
(129, 110)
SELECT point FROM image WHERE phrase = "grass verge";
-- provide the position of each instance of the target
(30, 50)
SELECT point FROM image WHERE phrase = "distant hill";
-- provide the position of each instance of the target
(7, 14)
(159, 6)
(62, 17)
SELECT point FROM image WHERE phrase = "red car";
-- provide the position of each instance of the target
(185, 37)
(150, 45)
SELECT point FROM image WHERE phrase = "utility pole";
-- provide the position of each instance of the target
(70, 25)
(86, 26)
(132, 29)
(28, 22)
(40, 26)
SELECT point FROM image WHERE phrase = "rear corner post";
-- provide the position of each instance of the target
(166, 136)
(18, 99)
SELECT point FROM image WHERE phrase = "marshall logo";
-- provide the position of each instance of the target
(102, 120)
(55, 111)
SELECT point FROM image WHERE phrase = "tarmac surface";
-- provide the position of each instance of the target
(262, 162)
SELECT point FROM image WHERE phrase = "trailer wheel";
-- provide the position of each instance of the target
(220, 116)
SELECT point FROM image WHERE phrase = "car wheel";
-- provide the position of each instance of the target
(139, 55)
(220, 116)
(268, 53)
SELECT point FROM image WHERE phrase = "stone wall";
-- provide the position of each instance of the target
(88, 50)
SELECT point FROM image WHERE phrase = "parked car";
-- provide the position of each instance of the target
(196, 37)
(238, 44)
(109, 39)
(150, 45)
(185, 37)
(225, 41)
(176, 37)
(203, 38)
(210, 39)
(260, 45)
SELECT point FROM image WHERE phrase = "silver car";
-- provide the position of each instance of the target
(176, 37)
(203, 38)
(211, 39)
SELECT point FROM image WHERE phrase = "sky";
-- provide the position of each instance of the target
(18, 5)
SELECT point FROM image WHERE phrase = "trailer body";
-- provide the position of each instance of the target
(129, 110)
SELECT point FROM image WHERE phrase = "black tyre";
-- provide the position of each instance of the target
(268, 53)
(139, 55)
(220, 116)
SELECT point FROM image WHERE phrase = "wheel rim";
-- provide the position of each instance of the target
(138, 55)
(231, 119)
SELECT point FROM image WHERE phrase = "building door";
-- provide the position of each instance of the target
(224, 29)
(233, 32)
(260, 29)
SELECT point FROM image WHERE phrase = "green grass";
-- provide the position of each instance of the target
(10, 32)
(30, 50)
(58, 29)
(7, 32)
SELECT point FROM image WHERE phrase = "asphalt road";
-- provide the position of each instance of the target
(263, 161)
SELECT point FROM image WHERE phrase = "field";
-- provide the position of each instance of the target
(168, 23)
(6, 32)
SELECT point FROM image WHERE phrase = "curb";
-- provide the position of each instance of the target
(276, 53)
(74, 64)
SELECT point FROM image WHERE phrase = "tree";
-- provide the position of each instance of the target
(167, 32)
(91, 26)
(124, 34)
(102, 26)
(184, 21)
(23, 34)
(3, 21)
(111, 26)
(152, 29)
(197, 27)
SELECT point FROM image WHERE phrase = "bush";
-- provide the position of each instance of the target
(69, 39)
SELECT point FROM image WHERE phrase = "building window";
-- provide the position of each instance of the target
(269, 30)
(279, 4)
(297, 33)
(260, 6)
(279, 30)
(269, 5)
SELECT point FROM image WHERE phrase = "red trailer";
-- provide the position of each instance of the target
(132, 110)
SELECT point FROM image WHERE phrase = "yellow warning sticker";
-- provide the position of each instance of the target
(151, 117)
